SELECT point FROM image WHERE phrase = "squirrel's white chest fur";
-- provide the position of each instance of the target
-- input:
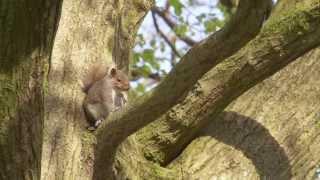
(118, 99)
(114, 97)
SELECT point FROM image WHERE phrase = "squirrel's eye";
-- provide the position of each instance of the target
(119, 80)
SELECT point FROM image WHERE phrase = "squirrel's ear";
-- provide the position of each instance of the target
(113, 72)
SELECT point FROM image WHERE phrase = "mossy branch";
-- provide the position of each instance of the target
(244, 26)
(281, 41)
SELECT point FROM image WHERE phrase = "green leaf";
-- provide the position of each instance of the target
(145, 70)
(148, 57)
(153, 43)
(142, 71)
(162, 46)
(148, 54)
(177, 6)
(140, 88)
(136, 58)
(213, 24)
(201, 17)
(154, 64)
(181, 30)
(140, 40)
(225, 12)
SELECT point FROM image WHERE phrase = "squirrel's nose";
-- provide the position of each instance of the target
(127, 87)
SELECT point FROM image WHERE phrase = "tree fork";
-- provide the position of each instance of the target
(171, 133)
(146, 109)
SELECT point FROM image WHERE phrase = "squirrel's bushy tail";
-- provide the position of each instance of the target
(94, 74)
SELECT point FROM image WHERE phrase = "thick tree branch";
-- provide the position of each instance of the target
(284, 4)
(164, 14)
(288, 98)
(229, 4)
(201, 58)
(266, 54)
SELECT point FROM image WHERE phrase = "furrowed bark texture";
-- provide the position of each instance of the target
(26, 36)
(89, 31)
(280, 42)
(270, 132)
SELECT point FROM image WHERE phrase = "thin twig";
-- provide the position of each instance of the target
(165, 38)
(173, 25)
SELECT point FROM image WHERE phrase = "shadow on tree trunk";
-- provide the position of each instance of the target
(254, 141)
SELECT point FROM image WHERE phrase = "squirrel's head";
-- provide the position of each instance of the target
(120, 80)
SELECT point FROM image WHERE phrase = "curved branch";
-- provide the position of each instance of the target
(288, 98)
(273, 49)
(200, 59)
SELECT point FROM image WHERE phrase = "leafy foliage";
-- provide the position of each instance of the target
(177, 5)
(194, 19)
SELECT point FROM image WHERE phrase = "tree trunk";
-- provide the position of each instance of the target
(89, 32)
(26, 38)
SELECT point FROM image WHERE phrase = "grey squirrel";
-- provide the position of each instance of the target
(104, 87)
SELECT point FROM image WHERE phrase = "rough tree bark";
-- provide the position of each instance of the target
(27, 31)
(89, 31)
(279, 104)
(256, 136)
(270, 132)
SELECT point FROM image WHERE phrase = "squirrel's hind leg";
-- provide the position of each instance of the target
(94, 114)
